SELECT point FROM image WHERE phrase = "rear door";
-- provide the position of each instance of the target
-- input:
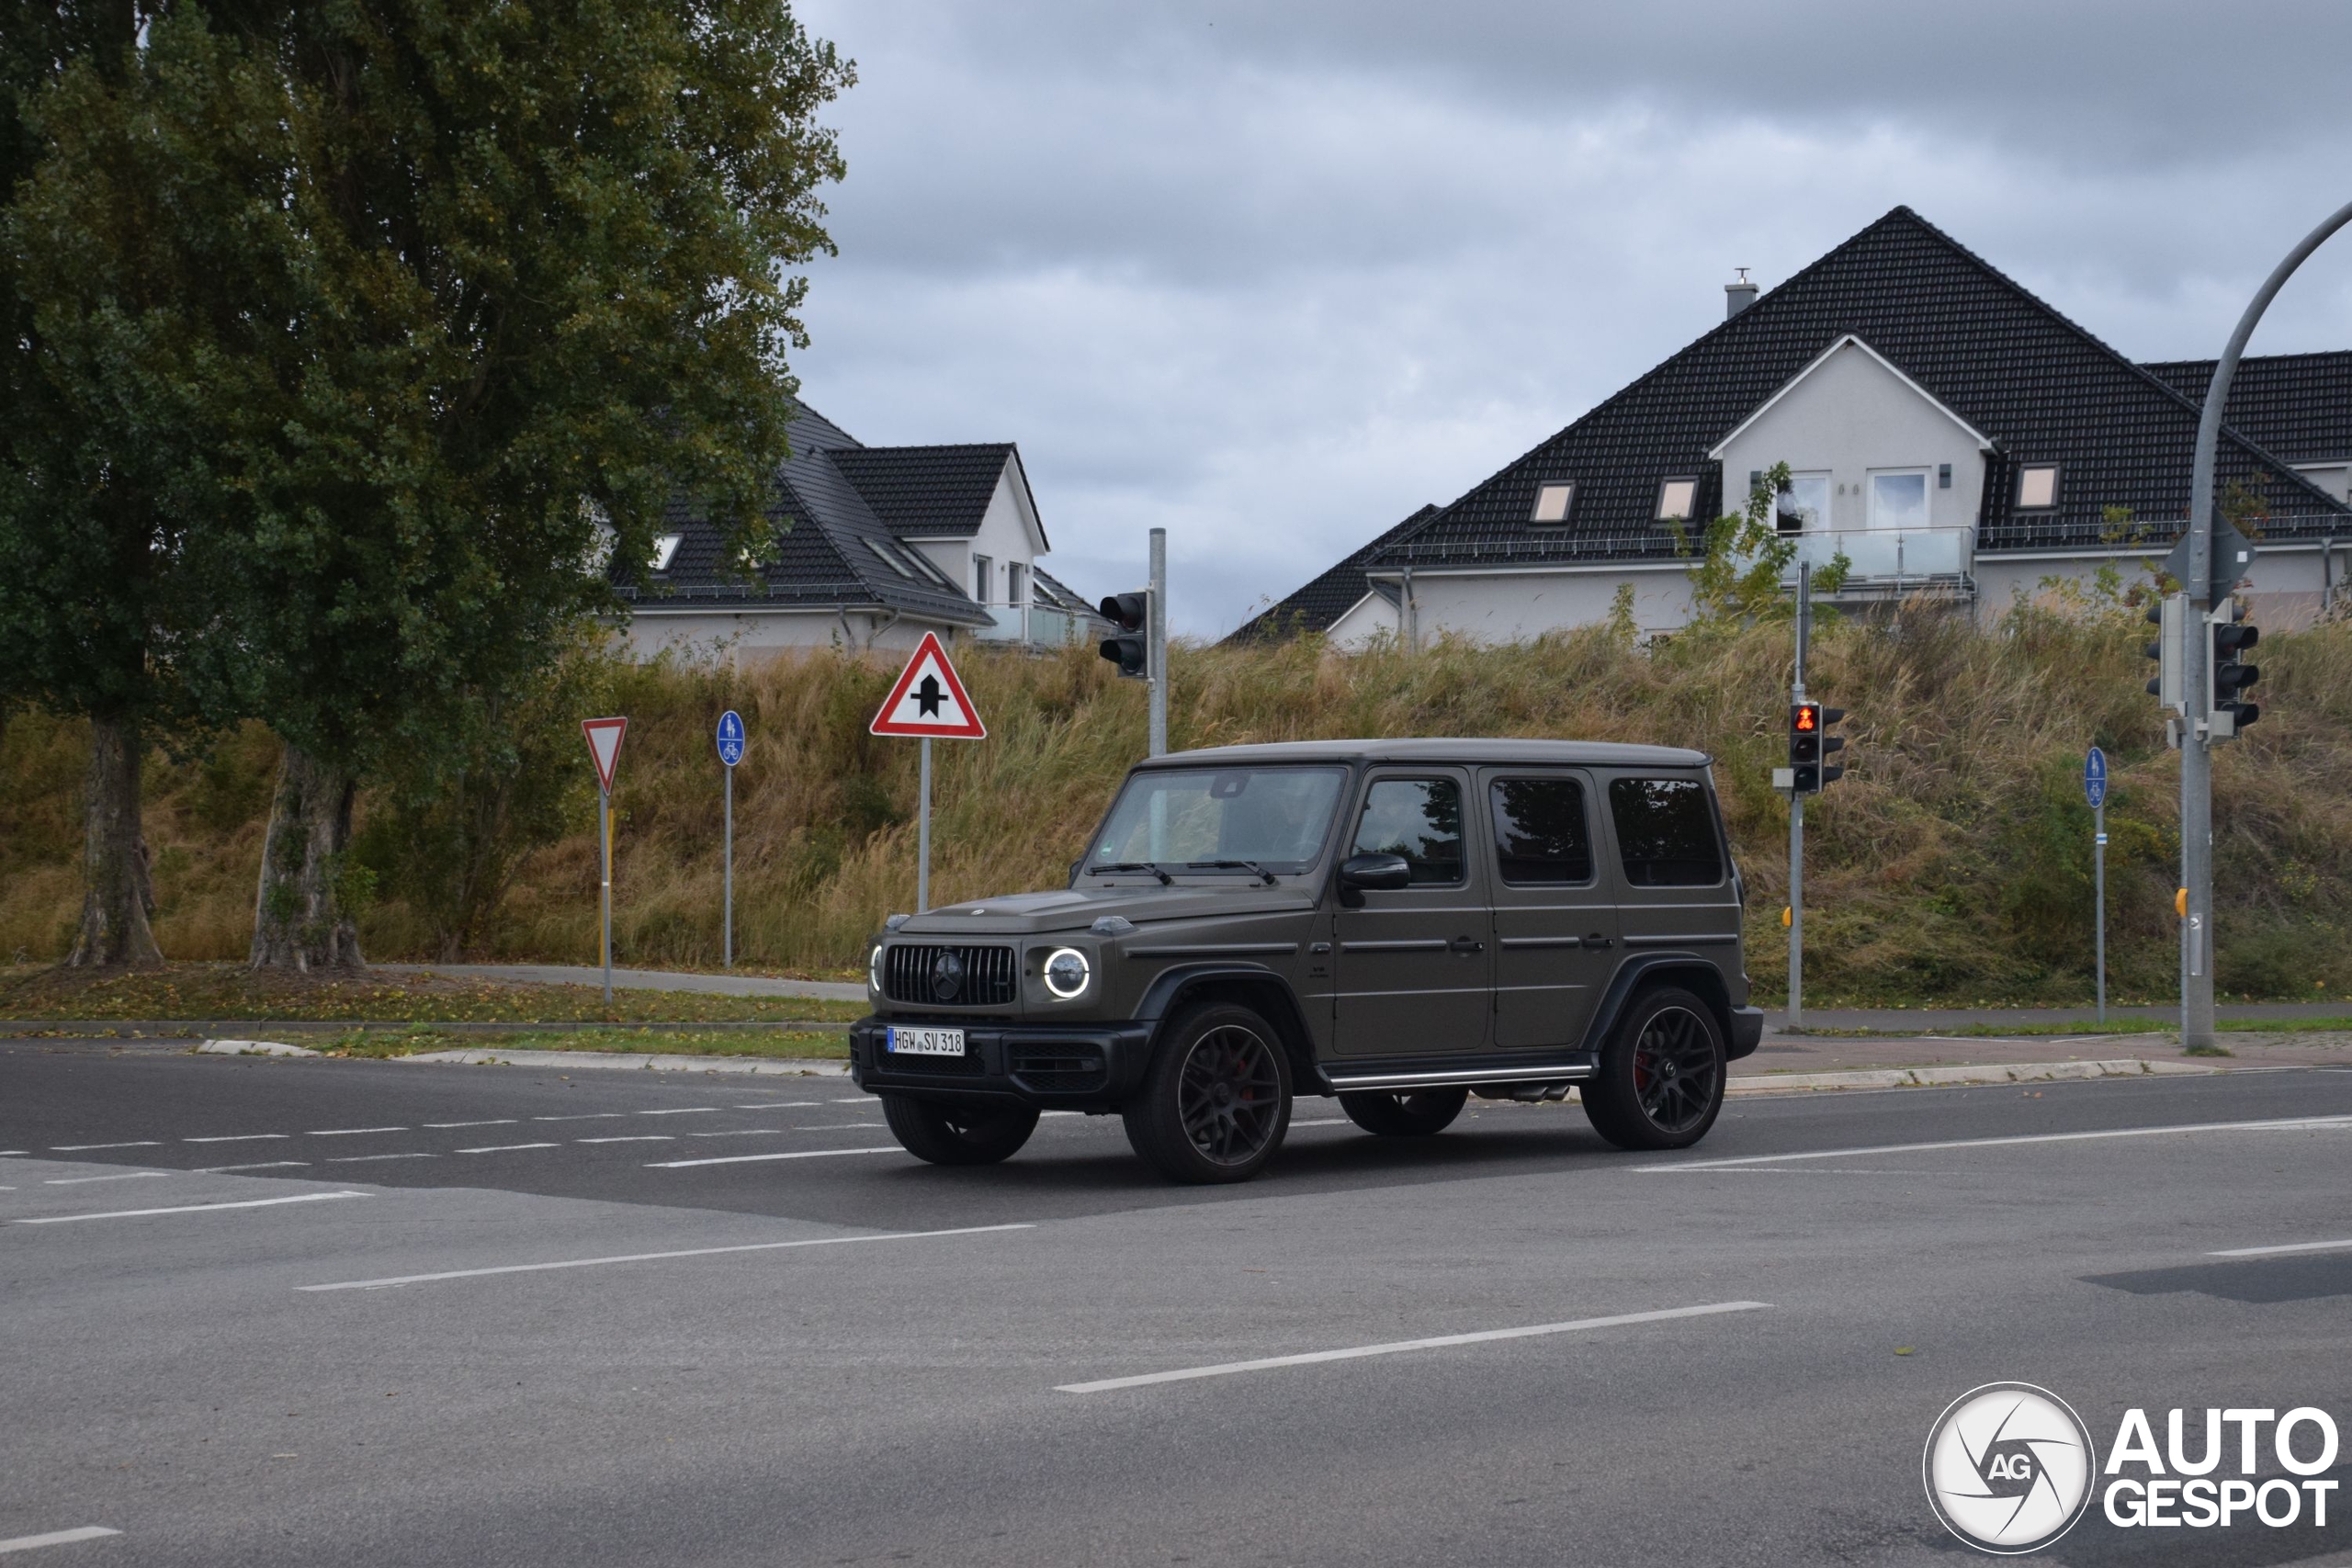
(1675, 883)
(1555, 916)
(1413, 964)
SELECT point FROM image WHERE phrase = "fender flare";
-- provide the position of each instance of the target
(1697, 973)
(1159, 999)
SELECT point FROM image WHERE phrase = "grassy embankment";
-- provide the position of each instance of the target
(1951, 866)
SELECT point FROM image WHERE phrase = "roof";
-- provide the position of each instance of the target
(2042, 388)
(1051, 592)
(930, 492)
(832, 550)
(1318, 606)
(1493, 751)
(2297, 405)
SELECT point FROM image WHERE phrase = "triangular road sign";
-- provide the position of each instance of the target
(604, 746)
(929, 700)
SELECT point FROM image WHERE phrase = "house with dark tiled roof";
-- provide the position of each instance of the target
(1946, 431)
(875, 546)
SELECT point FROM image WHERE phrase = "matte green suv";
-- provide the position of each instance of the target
(1399, 923)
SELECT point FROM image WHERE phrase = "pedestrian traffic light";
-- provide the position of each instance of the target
(1811, 745)
(2232, 639)
(1128, 647)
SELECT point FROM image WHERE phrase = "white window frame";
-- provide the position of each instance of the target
(1926, 476)
(983, 579)
(1565, 490)
(1016, 577)
(1666, 488)
(2056, 476)
(665, 549)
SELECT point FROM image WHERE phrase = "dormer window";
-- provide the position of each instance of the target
(1675, 499)
(665, 546)
(1553, 497)
(2038, 487)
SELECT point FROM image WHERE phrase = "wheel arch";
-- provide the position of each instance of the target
(1251, 984)
(1688, 970)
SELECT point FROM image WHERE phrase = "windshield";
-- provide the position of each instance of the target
(1275, 819)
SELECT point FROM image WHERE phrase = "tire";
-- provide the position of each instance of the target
(1215, 1103)
(959, 1134)
(1405, 1115)
(1660, 1082)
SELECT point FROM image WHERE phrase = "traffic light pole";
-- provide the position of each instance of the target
(2195, 746)
(1796, 815)
(1155, 632)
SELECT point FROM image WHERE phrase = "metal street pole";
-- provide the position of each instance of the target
(1156, 634)
(922, 836)
(2196, 750)
(727, 939)
(2099, 873)
(605, 834)
(1796, 815)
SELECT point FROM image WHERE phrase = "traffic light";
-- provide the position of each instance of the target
(1811, 745)
(2169, 615)
(1128, 647)
(2232, 639)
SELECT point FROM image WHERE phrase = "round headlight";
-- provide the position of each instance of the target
(1066, 972)
(874, 969)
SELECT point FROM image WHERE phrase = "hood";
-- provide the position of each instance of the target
(1075, 909)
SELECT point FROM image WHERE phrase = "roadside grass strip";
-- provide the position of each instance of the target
(2286, 1125)
(56, 1538)
(1437, 1342)
(2283, 1249)
(397, 1280)
(185, 1209)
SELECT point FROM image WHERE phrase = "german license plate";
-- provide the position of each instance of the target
(926, 1042)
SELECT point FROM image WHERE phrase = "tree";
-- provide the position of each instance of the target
(1743, 562)
(469, 292)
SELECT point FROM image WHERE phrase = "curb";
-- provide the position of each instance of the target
(761, 1066)
(253, 1048)
(1931, 1077)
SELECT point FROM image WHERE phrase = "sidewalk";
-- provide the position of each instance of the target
(644, 979)
(1909, 1020)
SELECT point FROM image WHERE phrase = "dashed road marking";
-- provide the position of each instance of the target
(2285, 1124)
(266, 1165)
(585, 1116)
(77, 1148)
(680, 1110)
(496, 1121)
(779, 1105)
(654, 1256)
(747, 1133)
(363, 1159)
(504, 1148)
(748, 1160)
(351, 1131)
(77, 1180)
(2283, 1248)
(185, 1209)
(632, 1138)
(56, 1538)
(841, 1127)
(238, 1138)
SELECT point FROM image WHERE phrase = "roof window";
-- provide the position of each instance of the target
(1552, 500)
(2037, 487)
(888, 558)
(1675, 499)
(666, 546)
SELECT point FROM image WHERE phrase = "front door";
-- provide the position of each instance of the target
(1414, 964)
(1555, 918)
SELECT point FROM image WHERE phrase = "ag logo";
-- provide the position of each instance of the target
(2008, 1468)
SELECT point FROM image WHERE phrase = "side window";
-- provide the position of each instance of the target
(1541, 839)
(1418, 818)
(1666, 832)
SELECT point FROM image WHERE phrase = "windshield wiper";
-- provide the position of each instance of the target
(1138, 865)
(1232, 865)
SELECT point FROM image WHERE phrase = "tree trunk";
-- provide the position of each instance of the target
(119, 895)
(302, 918)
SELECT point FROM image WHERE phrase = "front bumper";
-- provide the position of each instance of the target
(1746, 1033)
(1007, 1060)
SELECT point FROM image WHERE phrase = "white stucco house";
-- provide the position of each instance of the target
(1945, 430)
(874, 547)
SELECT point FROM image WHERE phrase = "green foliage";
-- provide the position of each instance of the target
(1741, 575)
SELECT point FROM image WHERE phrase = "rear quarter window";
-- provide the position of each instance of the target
(1666, 832)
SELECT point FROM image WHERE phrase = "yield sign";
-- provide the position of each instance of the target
(604, 746)
(929, 701)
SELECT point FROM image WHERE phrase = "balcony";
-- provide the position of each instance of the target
(1889, 558)
(1033, 626)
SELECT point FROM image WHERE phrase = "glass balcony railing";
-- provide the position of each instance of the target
(1887, 554)
(1033, 625)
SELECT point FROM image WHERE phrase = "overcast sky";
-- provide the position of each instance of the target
(1274, 274)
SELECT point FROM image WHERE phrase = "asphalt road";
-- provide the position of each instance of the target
(766, 1360)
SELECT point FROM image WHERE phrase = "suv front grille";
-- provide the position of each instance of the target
(934, 974)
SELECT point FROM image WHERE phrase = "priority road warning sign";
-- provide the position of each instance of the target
(928, 702)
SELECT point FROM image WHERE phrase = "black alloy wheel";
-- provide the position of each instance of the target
(1414, 1115)
(1660, 1083)
(959, 1134)
(1215, 1103)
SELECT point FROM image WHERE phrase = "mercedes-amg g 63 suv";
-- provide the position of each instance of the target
(1399, 923)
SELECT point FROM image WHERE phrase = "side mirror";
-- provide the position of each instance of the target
(1377, 873)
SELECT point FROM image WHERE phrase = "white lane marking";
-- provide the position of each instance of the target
(653, 1257)
(860, 1099)
(2288, 1124)
(238, 1138)
(635, 1138)
(779, 1105)
(585, 1116)
(504, 1148)
(1437, 1342)
(77, 1180)
(680, 1110)
(6, 1152)
(363, 1159)
(350, 1132)
(1328, 1122)
(498, 1122)
(186, 1209)
(749, 1133)
(56, 1538)
(77, 1148)
(747, 1160)
(833, 1127)
(2285, 1248)
(1061, 1113)
(266, 1165)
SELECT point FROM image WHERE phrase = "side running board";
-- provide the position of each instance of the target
(1354, 1076)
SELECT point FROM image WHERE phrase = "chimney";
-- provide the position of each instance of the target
(1738, 297)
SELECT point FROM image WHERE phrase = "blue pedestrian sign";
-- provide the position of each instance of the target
(2095, 778)
(730, 738)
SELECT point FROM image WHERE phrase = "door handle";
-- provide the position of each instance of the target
(1465, 945)
(1596, 940)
